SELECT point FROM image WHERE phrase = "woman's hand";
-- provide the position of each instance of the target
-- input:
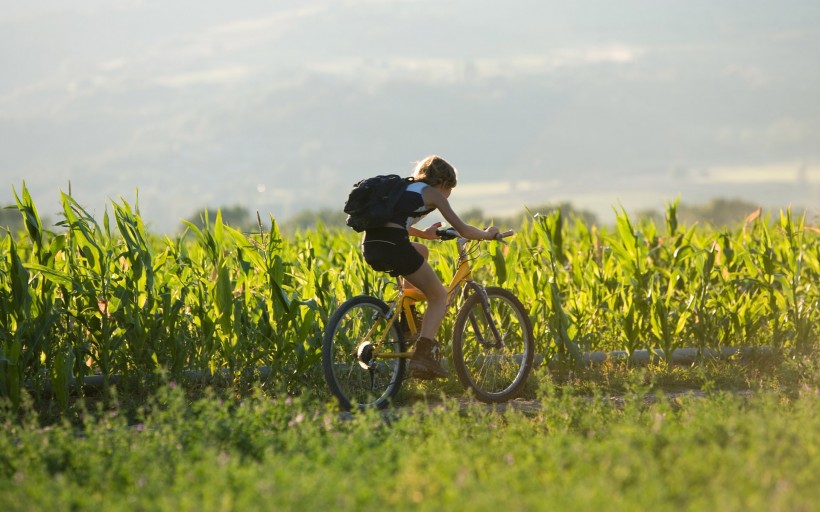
(491, 233)
(430, 232)
(427, 234)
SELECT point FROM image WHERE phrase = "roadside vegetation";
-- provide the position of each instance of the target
(578, 450)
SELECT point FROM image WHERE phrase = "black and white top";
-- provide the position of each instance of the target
(410, 208)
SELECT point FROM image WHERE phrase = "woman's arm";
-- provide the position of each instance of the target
(433, 198)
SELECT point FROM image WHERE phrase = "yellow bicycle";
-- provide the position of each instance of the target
(367, 342)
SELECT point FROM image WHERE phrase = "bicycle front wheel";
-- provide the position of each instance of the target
(355, 341)
(493, 346)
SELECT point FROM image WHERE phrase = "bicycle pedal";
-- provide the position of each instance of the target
(423, 375)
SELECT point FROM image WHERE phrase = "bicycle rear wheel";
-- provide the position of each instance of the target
(493, 346)
(354, 376)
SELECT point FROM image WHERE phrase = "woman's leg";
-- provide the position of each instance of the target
(422, 249)
(426, 280)
(425, 252)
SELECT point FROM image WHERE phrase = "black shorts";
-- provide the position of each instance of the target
(390, 250)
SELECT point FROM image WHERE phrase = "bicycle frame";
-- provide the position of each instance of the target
(407, 297)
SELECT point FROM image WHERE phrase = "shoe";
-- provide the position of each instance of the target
(424, 364)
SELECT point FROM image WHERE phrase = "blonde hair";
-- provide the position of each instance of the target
(435, 171)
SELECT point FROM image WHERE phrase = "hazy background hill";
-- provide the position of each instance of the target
(280, 106)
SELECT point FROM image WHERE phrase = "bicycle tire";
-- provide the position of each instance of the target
(354, 385)
(494, 373)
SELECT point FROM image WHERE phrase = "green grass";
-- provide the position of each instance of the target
(580, 449)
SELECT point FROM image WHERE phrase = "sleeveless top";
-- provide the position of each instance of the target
(410, 207)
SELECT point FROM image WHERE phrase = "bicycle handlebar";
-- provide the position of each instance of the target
(451, 233)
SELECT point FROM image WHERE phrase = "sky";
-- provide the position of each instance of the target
(280, 106)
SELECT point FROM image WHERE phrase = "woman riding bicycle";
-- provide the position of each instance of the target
(389, 249)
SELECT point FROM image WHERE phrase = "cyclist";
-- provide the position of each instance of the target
(389, 249)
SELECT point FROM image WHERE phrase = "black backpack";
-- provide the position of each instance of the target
(372, 200)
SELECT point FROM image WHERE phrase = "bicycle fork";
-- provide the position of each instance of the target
(485, 306)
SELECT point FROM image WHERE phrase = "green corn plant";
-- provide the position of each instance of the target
(796, 288)
(811, 262)
(135, 290)
(277, 305)
(213, 299)
(705, 327)
(16, 322)
(26, 348)
(297, 346)
(84, 281)
(530, 276)
(559, 321)
(170, 330)
(667, 322)
(31, 219)
(631, 256)
(765, 274)
(682, 275)
(185, 275)
(6, 302)
(630, 322)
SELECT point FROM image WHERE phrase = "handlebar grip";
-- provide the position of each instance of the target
(501, 236)
(447, 234)
(451, 233)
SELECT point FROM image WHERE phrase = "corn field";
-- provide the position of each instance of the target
(109, 299)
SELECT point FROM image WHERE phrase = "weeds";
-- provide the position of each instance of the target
(577, 450)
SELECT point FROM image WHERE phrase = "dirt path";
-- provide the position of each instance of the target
(532, 407)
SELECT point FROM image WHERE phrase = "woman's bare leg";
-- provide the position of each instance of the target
(425, 252)
(426, 280)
